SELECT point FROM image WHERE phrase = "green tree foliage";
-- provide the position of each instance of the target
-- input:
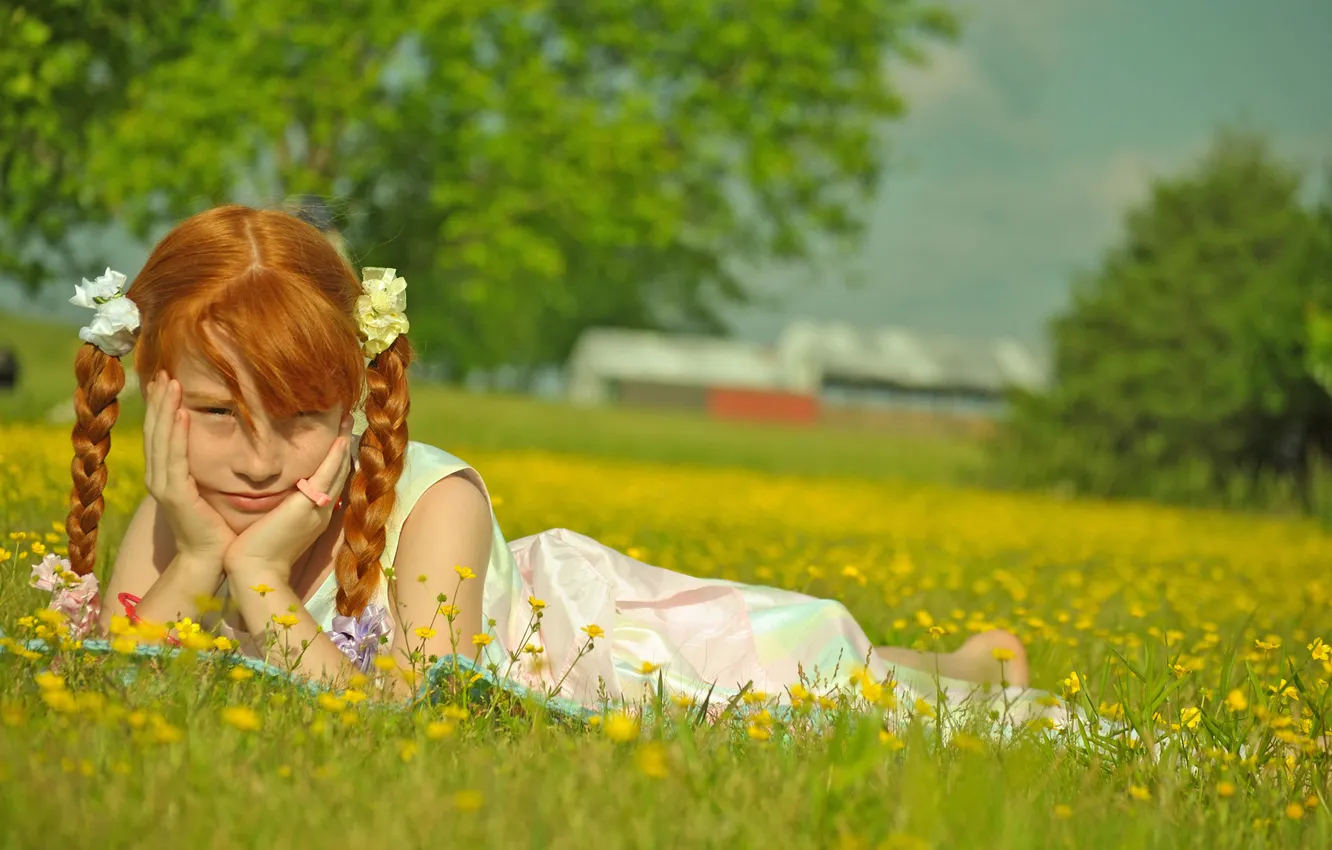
(62, 64)
(1179, 370)
(1318, 351)
(532, 167)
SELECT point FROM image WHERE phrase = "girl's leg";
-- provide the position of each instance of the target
(974, 661)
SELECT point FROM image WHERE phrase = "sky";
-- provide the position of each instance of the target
(1027, 140)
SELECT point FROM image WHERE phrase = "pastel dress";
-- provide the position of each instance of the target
(702, 637)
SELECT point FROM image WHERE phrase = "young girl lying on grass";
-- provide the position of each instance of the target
(255, 342)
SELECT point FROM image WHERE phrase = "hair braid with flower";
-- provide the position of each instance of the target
(373, 488)
(109, 336)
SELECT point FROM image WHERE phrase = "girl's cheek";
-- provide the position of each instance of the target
(205, 425)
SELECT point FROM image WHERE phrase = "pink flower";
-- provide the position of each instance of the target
(78, 595)
(77, 601)
(46, 575)
(82, 614)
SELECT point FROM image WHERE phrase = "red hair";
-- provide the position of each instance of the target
(284, 296)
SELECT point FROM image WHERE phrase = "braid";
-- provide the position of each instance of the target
(373, 487)
(96, 406)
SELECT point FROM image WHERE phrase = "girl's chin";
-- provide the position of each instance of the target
(236, 520)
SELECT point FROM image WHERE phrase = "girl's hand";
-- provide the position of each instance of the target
(200, 531)
(269, 548)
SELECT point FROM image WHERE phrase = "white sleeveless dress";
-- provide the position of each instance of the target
(699, 635)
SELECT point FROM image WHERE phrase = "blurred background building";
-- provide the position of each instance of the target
(815, 371)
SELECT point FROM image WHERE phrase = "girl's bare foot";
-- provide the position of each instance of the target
(975, 661)
(978, 655)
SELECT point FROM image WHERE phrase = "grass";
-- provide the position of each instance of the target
(46, 366)
(1203, 627)
(507, 423)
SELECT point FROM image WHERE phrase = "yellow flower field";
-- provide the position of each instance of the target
(1068, 577)
(1210, 625)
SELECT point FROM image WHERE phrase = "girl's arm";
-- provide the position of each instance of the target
(448, 534)
(148, 566)
(266, 601)
(449, 526)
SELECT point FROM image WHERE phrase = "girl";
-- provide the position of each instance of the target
(254, 343)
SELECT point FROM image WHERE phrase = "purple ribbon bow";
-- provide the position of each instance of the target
(358, 638)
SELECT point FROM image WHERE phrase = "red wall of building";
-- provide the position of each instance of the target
(762, 405)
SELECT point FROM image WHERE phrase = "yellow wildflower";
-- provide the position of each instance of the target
(1320, 651)
(11, 714)
(242, 717)
(60, 700)
(196, 641)
(48, 681)
(621, 727)
(651, 760)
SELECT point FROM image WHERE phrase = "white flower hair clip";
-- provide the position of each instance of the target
(116, 325)
(381, 311)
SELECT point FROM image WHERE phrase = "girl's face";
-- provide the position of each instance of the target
(231, 466)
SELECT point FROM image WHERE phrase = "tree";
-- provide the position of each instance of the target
(63, 65)
(531, 167)
(1179, 368)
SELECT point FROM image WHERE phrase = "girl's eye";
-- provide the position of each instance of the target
(217, 411)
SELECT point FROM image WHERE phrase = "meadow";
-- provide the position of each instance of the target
(1203, 629)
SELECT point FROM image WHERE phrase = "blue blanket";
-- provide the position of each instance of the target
(482, 688)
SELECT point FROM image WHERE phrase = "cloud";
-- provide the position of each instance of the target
(947, 75)
(993, 79)
(1020, 154)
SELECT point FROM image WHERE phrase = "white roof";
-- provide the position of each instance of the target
(805, 356)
